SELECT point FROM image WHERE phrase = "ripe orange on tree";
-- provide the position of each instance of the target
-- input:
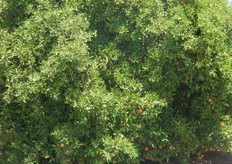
(209, 100)
(146, 148)
(200, 157)
(62, 145)
(212, 148)
(110, 30)
(139, 111)
(126, 4)
(160, 147)
(171, 148)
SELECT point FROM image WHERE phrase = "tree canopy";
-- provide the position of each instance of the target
(114, 81)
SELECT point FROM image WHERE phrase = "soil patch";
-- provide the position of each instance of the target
(217, 157)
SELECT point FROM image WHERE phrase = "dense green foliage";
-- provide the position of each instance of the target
(114, 81)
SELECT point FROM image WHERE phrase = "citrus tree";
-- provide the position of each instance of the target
(121, 81)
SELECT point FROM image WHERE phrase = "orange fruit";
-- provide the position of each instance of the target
(160, 147)
(212, 148)
(146, 148)
(110, 30)
(200, 157)
(209, 100)
(62, 145)
(139, 111)
(171, 148)
(126, 4)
